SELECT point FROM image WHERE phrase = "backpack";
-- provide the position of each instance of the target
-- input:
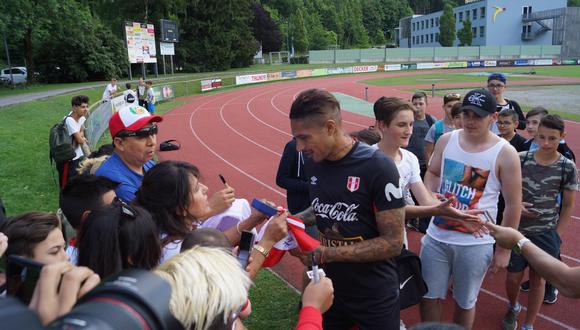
(438, 130)
(430, 120)
(412, 287)
(60, 143)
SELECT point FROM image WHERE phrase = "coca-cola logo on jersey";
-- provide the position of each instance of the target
(338, 211)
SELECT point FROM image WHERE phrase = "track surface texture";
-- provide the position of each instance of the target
(241, 134)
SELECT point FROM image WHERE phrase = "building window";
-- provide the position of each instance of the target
(436, 37)
(474, 32)
(482, 31)
(422, 25)
(432, 23)
(527, 10)
(474, 14)
(422, 39)
(467, 15)
(482, 12)
(461, 16)
(436, 21)
(431, 37)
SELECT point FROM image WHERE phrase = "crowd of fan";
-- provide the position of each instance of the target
(120, 210)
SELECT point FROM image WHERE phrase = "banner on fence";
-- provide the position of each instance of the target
(505, 63)
(251, 78)
(441, 65)
(462, 64)
(365, 68)
(475, 64)
(288, 74)
(409, 66)
(423, 66)
(490, 63)
(320, 72)
(523, 62)
(209, 84)
(163, 92)
(543, 62)
(98, 122)
(274, 75)
(392, 67)
(303, 73)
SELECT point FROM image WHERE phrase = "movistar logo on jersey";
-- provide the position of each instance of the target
(393, 191)
(338, 211)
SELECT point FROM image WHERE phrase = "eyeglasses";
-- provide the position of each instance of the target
(141, 133)
(499, 86)
(126, 209)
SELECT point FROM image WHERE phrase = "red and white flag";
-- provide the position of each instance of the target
(297, 238)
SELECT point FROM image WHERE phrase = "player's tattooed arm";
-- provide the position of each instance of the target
(386, 246)
(307, 216)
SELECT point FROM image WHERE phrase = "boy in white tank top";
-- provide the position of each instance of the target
(473, 165)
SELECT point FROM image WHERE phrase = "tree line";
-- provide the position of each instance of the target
(80, 40)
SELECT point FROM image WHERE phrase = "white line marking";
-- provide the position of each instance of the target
(545, 317)
(577, 218)
(222, 158)
(263, 122)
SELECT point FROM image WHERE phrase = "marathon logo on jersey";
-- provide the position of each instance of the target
(338, 211)
(352, 183)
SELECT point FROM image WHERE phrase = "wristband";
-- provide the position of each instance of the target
(520, 245)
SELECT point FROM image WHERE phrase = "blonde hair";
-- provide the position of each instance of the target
(206, 283)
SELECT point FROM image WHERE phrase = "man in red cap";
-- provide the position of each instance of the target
(134, 133)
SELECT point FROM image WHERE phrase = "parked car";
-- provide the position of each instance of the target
(18, 74)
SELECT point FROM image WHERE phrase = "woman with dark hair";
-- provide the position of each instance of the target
(177, 200)
(118, 237)
(36, 235)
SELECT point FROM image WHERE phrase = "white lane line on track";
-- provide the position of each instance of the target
(577, 218)
(222, 158)
(242, 135)
(545, 317)
(263, 122)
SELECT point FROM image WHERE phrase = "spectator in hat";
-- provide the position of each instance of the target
(496, 85)
(134, 133)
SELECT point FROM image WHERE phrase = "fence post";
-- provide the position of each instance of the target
(385, 57)
(433, 50)
(334, 61)
(432, 90)
(186, 92)
(366, 93)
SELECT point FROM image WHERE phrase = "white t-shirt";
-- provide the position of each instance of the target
(73, 127)
(409, 173)
(109, 91)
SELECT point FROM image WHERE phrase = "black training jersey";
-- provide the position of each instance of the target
(345, 195)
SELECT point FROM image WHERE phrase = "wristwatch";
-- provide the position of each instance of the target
(261, 249)
(520, 245)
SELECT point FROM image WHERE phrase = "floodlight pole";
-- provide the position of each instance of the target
(8, 59)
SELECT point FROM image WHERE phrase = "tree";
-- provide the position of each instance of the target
(266, 30)
(447, 26)
(465, 35)
(573, 3)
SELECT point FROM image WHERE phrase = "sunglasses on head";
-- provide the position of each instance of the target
(451, 97)
(126, 209)
(143, 132)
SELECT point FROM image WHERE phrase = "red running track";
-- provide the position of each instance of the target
(242, 133)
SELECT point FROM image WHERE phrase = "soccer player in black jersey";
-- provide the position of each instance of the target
(359, 211)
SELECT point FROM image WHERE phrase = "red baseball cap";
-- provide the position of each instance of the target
(131, 118)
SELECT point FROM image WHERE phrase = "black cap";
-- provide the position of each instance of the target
(479, 101)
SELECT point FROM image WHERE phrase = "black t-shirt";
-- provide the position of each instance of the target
(519, 142)
(345, 195)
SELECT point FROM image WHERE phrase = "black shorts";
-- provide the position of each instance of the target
(365, 312)
(549, 241)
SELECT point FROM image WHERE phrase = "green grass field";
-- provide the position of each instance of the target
(433, 78)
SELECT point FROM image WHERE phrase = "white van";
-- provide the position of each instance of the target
(18, 74)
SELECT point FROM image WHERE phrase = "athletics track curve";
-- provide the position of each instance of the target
(241, 134)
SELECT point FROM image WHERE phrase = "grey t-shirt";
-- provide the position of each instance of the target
(430, 137)
(417, 141)
(541, 187)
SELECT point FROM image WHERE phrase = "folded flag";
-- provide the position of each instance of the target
(297, 238)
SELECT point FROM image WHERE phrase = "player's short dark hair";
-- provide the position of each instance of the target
(128, 85)
(456, 109)
(208, 237)
(386, 108)
(316, 105)
(367, 135)
(537, 111)
(552, 122)
(510, 113)
(419, 95)
(78, 100)
(82, 193)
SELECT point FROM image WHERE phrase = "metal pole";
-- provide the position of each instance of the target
(8, 59)
(171, 58)
(156, 70)
(164, 73)
(366, 93)
(143, 71)
(432, 90)
(130, 73)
